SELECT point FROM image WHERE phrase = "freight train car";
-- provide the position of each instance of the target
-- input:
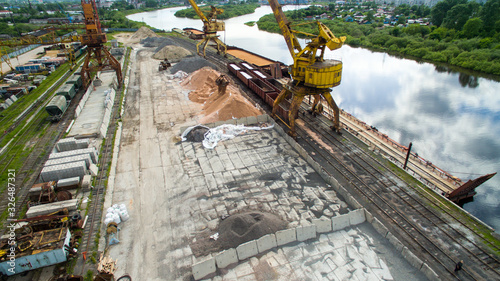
(67, 90)
(261, 84)
(75, 80)
(56, 107)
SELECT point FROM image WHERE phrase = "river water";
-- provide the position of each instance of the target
(452, 118)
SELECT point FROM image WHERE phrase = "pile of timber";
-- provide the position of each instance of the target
(106, 265)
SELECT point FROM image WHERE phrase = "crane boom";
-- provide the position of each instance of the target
(198, 11)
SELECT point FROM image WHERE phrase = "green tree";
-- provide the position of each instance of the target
(401, 20)
(457, 16)
(472, 27)
(439, 11)
(151, 3)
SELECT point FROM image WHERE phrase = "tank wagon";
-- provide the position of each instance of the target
(56, 107)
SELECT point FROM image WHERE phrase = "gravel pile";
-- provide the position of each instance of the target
(191, 64)
(172, 53)
(141, 34)
(241, 228)
(158, 42)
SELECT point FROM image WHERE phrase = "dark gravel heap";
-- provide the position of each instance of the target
(244, 227)
(158, 42)
(191, 64)
(197, 134)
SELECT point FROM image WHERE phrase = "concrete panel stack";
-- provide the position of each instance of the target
(71, 144)
(46, 209)
(64, 171)
(91, 151)
(13, 98)
(8, 102)
(108, 104)
(71, 159)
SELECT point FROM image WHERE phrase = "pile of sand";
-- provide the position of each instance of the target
(172, 53)
(230, 105)
(142, 33)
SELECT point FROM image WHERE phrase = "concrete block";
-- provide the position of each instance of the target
(357, 216)
(226, 258)
(379, 227)
(323, 225)
(395, 242)
(266, 242)
(428, 272)
(204, 268)
(86, 181)
(306, 232)
(411, 258)
(263, 118)
(68, 182)
(251, 120)
(340, 222)
(93, 170)
(246, 250)
(46, 209)
(70, 159)
(286, 236)
(63, 171)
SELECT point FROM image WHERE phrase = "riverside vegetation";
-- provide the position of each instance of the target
(464, 34)
(230, 11)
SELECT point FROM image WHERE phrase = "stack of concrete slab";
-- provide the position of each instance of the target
(108, 104)
(46, 209)
(91, 151)
(71, 144)
(64, 171)
(70, 159)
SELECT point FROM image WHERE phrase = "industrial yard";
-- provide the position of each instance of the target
(175, 163)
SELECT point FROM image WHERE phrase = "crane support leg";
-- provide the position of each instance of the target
(294, 108)
(281, 97)
(333, 105)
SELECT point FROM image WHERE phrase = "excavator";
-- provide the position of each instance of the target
(210, 27)
(312, 75)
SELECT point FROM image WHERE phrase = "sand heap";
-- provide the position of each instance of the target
(172, 53)
(230, 105)
(142, 33)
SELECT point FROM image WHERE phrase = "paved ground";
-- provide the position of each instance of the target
(177, 191)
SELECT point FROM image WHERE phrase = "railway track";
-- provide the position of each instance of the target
(437, 235)
(41, 148)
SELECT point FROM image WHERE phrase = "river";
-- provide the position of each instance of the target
(452, 118)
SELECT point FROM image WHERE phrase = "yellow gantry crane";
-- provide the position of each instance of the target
(210, 27)
(311, 73)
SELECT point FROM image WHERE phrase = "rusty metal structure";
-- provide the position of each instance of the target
(94, 38)
(468, 189)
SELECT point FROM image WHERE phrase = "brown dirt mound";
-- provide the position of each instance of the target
(142, 33)
(217, 108)
(244, 227)
(172, 53)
